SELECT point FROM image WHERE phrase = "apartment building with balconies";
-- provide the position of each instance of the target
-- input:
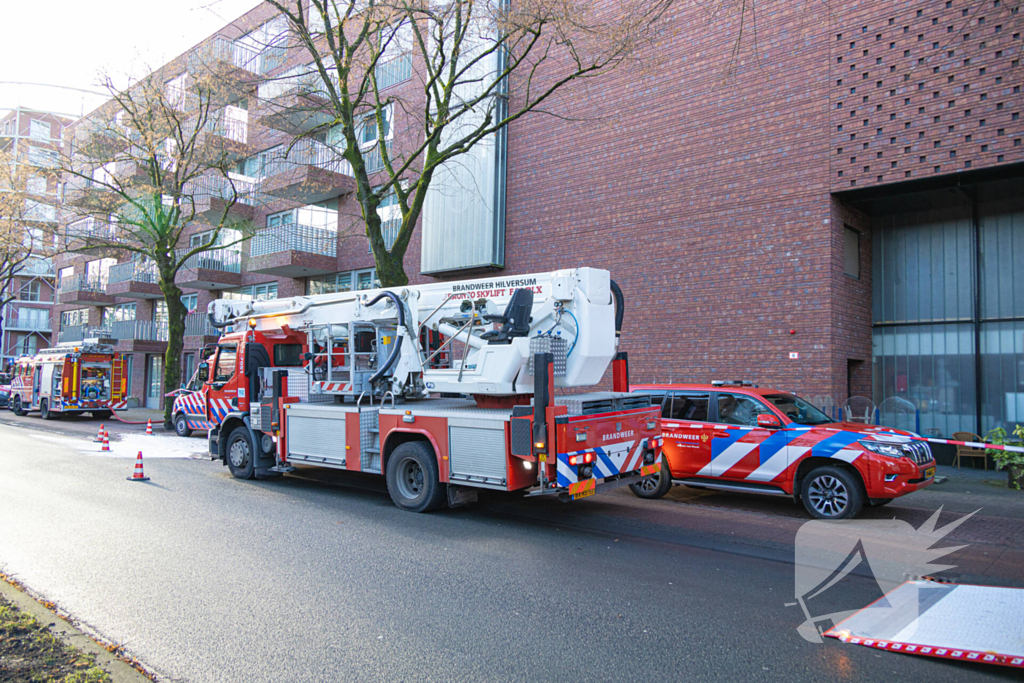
(831, 209)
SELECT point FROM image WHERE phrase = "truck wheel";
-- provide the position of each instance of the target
(102, 414)
(45, 412)
(831, 493)
(17, 408)
(240, 454)
(656, 486)
(412, 478)
(181, 427)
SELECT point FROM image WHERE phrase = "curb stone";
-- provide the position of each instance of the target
(120, 671)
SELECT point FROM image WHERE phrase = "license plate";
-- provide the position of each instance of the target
(583, 494)
(930, 472)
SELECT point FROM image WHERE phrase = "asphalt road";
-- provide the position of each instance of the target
(320, 578)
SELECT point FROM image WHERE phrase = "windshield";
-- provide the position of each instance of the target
(797, 409)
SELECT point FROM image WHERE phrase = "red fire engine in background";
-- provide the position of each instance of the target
(71, 378)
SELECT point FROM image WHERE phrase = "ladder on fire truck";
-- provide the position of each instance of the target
(413, 341)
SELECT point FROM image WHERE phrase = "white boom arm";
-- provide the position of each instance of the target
(358, 333)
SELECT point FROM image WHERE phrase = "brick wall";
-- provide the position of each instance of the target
(919, 89)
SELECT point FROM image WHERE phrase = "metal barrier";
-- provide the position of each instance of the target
(224, 260)
(136, 270)
(294, 237)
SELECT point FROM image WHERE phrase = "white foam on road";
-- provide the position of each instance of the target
(129, 445)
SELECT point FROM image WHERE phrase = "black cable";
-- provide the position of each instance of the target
(620, 307)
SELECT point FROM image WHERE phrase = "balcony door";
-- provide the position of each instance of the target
(154, 377)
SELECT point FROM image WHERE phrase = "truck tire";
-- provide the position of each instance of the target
(45, 412)
(656, 486)
(831, 493)
(413, 479)
(102, 414)
(17, 408)
(181, 427)
(240, 453)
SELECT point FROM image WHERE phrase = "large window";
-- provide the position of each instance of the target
(42, 157)
(31, 291)
(369, 130)
(191, 301)
(39, 130)
(343, 282)
(77, 316)
(851, 252)
(117, 313)
(948, 311)
(263, 292)
(99, 270)
(36, 185)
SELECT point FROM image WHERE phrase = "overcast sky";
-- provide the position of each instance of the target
(70, 43)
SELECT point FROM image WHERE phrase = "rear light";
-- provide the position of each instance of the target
(581, 459)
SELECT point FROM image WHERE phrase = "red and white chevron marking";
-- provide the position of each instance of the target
(328, 387)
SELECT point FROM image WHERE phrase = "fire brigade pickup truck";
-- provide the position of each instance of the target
(71, 379)
(444, 389)
(734, 436)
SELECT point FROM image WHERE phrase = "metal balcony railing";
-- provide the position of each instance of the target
(307, 152)
(372, 158)
(16, 318)
(240, 188)
(302, 80)
(198, 325)
(71, 333)
(82, 282)
(139, 330)
(134, 271)
(295, 237)
(36, 267)
(231, 127)
(91, 228)
(75, 333)
(224, 260)
(221, 50)
(394, 71)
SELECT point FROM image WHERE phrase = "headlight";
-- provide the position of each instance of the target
(893, 450)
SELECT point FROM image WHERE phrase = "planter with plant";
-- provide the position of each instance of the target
(1011, 461)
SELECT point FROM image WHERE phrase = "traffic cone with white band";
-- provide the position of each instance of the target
(106, 442)
(138, 474)
(149, 428)
(99, 435)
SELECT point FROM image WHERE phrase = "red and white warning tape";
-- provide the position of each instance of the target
(880, 430)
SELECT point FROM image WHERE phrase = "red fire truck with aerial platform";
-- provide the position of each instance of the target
(70, 378)
(444, 389)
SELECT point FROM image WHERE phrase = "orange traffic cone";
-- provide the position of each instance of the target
(138, 474)
(149, 428)
(99, 435)
(106, 443)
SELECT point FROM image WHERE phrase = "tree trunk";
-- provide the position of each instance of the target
(391, 270)
(175, 341)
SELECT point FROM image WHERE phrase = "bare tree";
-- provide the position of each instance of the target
(153, 161)
(480, 65)
(21, 238)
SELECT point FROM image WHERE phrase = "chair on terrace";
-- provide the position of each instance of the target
(969, 451)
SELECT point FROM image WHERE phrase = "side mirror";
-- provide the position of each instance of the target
(769, 421)
(204, 372)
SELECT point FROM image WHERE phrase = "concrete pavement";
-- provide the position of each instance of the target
(319, 577)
